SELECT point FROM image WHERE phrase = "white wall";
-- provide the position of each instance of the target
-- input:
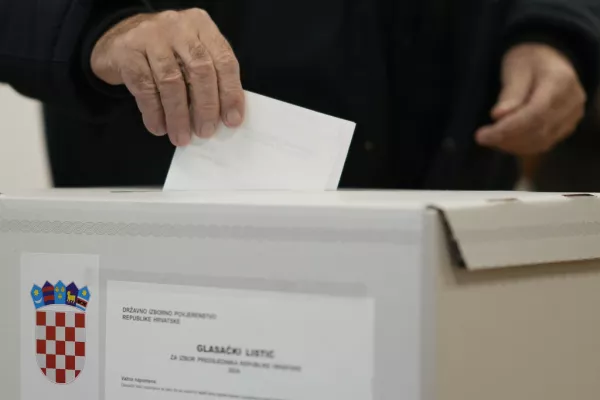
(23, 161)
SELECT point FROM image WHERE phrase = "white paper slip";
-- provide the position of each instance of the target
(278, 147)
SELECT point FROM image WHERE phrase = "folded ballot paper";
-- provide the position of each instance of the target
(279, 147)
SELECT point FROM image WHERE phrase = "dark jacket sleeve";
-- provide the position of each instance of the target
(572, 26)
(37, 44)
(41, 50)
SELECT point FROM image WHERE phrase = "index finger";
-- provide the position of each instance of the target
(173, 92)
(138, 78)
(231, 93)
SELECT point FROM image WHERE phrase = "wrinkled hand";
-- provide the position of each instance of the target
(181, 70)
(542, 102)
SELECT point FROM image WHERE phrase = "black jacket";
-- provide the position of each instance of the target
(418, 78)
(38, 40)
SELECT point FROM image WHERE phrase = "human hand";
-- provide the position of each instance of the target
(180, 69)
(542, 102)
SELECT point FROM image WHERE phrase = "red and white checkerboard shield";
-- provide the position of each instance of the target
(60, 344)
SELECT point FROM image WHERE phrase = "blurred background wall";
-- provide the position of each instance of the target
(23, 161)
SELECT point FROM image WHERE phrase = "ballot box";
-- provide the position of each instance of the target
(114, 295)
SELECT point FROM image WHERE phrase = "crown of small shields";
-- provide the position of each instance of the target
(59, 294)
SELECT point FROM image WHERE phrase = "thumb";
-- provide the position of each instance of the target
(518, 82)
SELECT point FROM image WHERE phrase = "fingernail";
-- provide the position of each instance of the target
(183, 140)
(208, 130)
(234, 118)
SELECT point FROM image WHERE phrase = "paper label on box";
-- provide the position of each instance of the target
(59, 326)
(169, 342)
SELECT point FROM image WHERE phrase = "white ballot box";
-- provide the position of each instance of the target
(299, 296)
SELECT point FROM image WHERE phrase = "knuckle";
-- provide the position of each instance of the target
(201, 68)
(227, 63)
(170, 77)
(142, 85)
(168, 16)
(198, 52)
(145, 86)
(197, 13)
(127, 40)
(144, 26)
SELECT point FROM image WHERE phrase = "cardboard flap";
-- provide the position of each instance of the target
(509, 232)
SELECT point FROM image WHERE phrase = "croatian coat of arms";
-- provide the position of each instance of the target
(60, 330)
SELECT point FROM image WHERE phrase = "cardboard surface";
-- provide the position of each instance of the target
(259, 244)
(525, 333)
(477, 295)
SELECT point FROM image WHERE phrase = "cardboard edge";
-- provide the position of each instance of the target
(456, 253)
(460, 256)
